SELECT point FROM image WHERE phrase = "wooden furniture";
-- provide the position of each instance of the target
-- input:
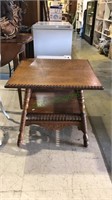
(30, 17)
(9, 52)
(14, 47)
(103, 21)
(54, 93)
(15, 50)
(10, 49)
(72, 6)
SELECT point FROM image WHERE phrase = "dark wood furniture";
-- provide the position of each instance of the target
(31, 15)
(72, 7)
(9, 52)
(15, 50)
(54, 93)
(10, 48)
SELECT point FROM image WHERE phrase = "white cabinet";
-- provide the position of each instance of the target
(52, 39)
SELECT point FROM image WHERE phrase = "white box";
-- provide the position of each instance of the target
(52, 38)
(55, 13)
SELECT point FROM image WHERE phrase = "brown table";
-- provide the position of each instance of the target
(15, 50)
(54, 93)
(10, 48)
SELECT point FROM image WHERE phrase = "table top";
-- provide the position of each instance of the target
(23, 38)
(52, 73)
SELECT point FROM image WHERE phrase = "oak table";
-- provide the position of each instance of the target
(54, 93)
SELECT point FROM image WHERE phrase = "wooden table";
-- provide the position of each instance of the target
(15, 50)
(10, 48)
(54, 93)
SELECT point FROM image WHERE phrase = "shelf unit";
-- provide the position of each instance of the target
(79, 14)
(103, 21)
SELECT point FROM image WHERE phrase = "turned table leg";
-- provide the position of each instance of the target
(83, 118)
(23, 117)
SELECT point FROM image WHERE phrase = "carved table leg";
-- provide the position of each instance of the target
(23, 117)
(83, 117)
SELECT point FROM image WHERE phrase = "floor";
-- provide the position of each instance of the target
(55, 165)
(98, 103)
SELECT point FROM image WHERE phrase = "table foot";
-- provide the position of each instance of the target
(20, 139)
(85, 140)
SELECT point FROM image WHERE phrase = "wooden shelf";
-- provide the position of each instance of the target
(108, 20)
(59, 102)
(102, 22)
(98, 31)
(109, 36)
(100, 19)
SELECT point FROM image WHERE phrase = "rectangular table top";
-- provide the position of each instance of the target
(52, 73)
(22, 38)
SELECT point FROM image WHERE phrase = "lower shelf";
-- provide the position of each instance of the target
(53, 107)
(54, 110)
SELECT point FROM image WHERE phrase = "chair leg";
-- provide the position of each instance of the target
(3, 110)
(10, 70)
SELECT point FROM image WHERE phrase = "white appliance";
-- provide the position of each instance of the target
(52, 39)
(55, 13)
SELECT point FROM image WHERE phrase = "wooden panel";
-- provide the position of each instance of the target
(31, 15)
(72, 6)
